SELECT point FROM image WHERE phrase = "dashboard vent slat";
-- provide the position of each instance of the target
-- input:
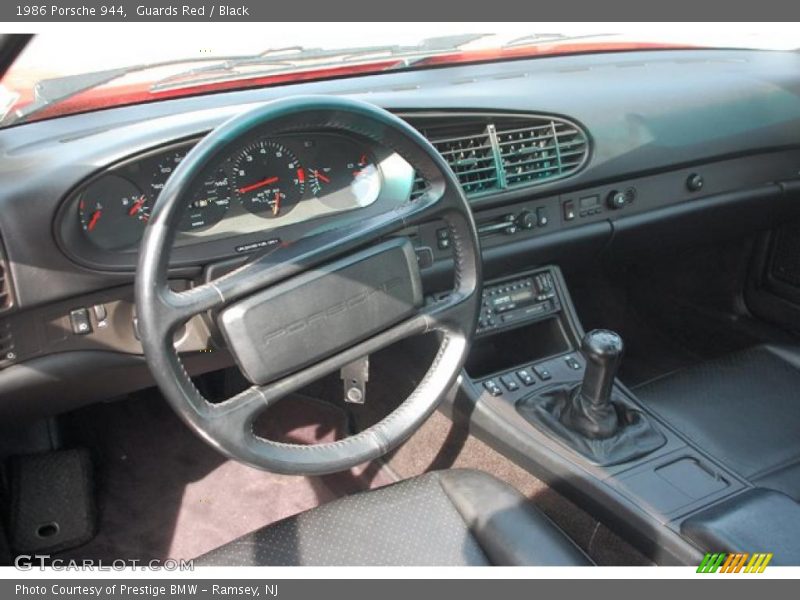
(492, 153)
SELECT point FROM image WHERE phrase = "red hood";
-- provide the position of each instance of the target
(118, 94)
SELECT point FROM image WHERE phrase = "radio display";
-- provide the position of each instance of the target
(589, 202)
(512, 300)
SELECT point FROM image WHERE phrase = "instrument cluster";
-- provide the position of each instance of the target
(262, 184)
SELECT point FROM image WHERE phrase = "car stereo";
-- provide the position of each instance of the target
(513, 302)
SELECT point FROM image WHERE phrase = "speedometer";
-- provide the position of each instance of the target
(268, 179)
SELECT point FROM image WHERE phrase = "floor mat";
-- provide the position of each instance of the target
(162, 492)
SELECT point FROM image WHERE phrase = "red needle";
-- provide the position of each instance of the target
(257, 184)
(95, 218)
(322, 177)
(136, 206)
(276, 206)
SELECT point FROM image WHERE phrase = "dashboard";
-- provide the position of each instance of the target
(658, 148)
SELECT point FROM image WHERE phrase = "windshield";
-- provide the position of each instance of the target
(59, 74)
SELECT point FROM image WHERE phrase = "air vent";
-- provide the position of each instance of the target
(469, 149)
(533, 154)
(494, 153)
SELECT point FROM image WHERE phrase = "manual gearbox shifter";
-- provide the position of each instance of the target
(591, 417)
(591, 412)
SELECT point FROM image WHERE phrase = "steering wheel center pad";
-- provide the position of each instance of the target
(312, 316)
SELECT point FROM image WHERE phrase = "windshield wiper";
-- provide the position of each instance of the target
(290, 59)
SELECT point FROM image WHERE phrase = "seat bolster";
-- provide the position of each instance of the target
(758, 520)
(509, 529)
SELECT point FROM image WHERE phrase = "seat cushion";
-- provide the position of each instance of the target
(743, 409)
(454, 517)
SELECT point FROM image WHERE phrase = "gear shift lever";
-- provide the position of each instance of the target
(591, 412)
(592, 418)
(602, 350)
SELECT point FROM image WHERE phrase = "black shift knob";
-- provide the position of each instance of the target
(602, 350)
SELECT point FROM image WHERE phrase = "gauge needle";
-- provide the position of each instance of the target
(93, 221)
(136, 206)
(276, 206)
(321, 177)
(257, 184)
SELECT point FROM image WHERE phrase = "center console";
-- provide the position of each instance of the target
(526, 338)
(540, 390)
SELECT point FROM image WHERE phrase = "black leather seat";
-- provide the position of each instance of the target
(455, 517)
(743, 409)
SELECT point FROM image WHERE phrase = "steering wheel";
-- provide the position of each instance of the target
(306, 308)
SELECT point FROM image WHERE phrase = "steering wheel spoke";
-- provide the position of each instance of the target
(451, 313)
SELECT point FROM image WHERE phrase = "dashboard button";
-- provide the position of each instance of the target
(541, 217)
(525, 377)
(569, 210)
(542, 372)
(492, 387)
(100, 312)
(510, 383)
(80, 322)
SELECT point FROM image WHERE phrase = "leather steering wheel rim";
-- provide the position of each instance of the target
(228, 425)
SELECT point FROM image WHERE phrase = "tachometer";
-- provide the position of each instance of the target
(113, 212)
(268, 179)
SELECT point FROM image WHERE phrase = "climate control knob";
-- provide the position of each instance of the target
(617, 200)
(526, 219)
